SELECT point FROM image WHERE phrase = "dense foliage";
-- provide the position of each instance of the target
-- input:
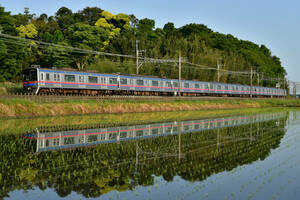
(96, 171)
(95, 29)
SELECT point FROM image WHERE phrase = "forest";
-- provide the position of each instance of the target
(95, 30)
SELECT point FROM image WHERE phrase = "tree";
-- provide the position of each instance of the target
(88, 14)
(28, 31)
(64, 17)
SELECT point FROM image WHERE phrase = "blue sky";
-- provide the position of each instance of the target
(275, 23)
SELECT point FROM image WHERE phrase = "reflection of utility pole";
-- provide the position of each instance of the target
(218, 139)
(179, 141)
(38, 140)
(251, 123)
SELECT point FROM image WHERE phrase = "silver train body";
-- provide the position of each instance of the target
(61, 81)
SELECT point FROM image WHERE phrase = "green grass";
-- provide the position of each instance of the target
(6, 87)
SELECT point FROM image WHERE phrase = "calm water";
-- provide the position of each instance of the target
(237, 157)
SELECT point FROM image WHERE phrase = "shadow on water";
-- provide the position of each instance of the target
(96, 161)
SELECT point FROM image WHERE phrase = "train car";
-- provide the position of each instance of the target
(55, 81)
(58, 140)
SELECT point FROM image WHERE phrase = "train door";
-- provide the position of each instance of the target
(42, 78)
(103, 82)
(147, 84)
(132, 83)
(81, 81)
(57, 80)
(118, 82)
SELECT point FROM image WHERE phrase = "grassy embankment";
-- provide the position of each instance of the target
(26, 108)
(21, 125)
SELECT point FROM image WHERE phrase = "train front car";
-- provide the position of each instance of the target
(30, 80)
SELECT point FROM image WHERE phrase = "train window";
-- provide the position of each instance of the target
(186, 127)
(70, 140)
(197, 85)
(154, 131)
(92, 138)
(139, 82)
(175, 84)
(226, 87)
(211, 86)
(154, 83)
(70, 78)
(112, 136)
(123, 81)
(168, 130)
(168, 84)
(42, 76)
(113, 80)
(139, 133)
(123, 134)
(93, 79)
(186, 85)
(197, 126)
(81, 79)
(47, 77)
(161, 83)
(219, 87)
(206, 86)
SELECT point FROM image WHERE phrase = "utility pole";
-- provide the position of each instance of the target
(179, 74)
(251, 85)
(137, 56)
(218, 65)
(257, 78)
(295, 90)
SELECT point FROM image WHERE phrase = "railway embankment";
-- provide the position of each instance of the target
(20, 107)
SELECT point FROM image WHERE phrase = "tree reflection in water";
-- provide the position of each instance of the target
(122, 164)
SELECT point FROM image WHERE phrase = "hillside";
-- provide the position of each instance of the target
(99, 30)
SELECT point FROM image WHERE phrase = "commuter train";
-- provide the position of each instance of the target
(55, 81)
(59, 140)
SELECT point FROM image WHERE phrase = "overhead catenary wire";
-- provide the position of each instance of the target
(73, 50)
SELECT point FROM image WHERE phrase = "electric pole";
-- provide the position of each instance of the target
(257, 78)
(179, 74)
(137, 56)
(218, 65)
(251, 84)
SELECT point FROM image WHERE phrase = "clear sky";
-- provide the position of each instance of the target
(275, 23)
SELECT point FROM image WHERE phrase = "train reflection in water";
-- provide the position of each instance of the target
(79, 138)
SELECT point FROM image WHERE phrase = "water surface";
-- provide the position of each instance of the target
(235, 157)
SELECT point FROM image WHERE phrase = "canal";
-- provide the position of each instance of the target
(234, 156)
